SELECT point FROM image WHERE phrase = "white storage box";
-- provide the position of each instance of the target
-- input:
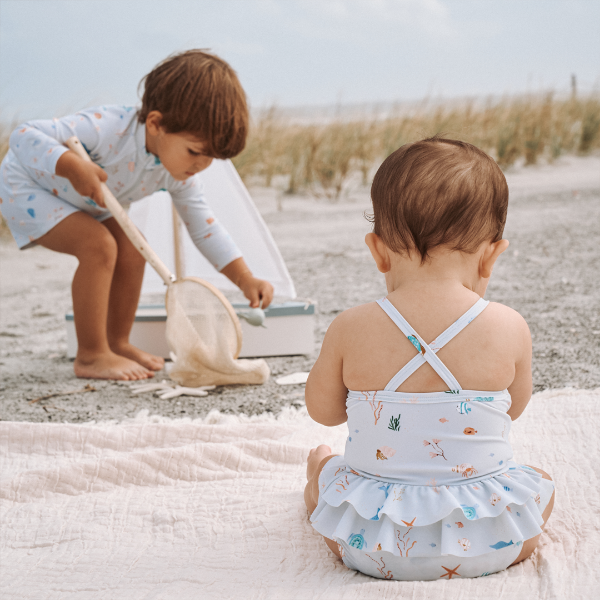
(289, 329)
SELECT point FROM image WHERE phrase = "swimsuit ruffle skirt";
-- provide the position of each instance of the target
(428, 479)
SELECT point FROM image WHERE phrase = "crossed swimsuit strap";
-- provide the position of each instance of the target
(427, 352)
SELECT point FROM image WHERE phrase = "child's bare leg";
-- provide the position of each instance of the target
(317, 459)
(530, 545)
(95, 248)
(123, 300)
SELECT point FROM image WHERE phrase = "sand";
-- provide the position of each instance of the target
(550, 274)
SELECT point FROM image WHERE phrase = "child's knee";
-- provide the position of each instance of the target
(130, 256)
(100, 249)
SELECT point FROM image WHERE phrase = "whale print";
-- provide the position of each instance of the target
(499, 545)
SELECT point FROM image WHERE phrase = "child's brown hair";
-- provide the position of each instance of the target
(199, 93)
(438, 192)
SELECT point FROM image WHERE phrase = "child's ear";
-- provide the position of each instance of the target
(153, 122)
(379, 252)
(490, 256)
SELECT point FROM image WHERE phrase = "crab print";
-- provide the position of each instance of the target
(466, 470)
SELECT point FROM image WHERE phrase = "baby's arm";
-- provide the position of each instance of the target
(521, 387)
(325, 390)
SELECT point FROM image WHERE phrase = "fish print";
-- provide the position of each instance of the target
(480, 399)
(464, 543)
(494, 499)
(501, 544)
(443, 420)
(415, 342)
(463, 409)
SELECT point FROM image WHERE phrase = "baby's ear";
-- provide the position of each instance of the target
(490, 256)
(379, 252)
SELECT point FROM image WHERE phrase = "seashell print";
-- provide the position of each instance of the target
(469, 431)
(494, 499)
(386, 452)
(357, 540)
(469, 511)
(465, 543)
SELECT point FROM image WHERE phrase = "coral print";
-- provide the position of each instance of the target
(398, 494)
(375, 406)
(466, 470)
(341, 484)
(381, 566)
(415, 342)
(465, 543)
(357, 540)
(394, 423)
(436, 447)
(469, 431)
(385, 452)
(404, 540)
(494, 499)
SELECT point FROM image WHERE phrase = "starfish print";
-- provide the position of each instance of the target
(450, 572)
(410, 524)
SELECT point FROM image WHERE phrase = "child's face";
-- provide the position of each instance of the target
(182, 154)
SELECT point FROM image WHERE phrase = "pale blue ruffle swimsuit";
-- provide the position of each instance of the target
(426, 488)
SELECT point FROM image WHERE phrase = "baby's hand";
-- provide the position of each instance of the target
(85, 177)
(256, 290)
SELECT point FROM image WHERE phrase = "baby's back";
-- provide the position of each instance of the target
(481, 357)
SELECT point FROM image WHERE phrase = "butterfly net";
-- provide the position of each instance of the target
(203, 333)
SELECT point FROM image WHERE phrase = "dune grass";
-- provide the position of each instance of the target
(322, 158)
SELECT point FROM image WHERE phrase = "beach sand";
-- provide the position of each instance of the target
(550, 274)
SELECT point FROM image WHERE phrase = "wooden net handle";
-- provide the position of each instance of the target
(118, 212)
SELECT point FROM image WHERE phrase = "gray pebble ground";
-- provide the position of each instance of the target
(550, 274)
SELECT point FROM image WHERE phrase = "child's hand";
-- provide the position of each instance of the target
(256, 290)
(85, 177)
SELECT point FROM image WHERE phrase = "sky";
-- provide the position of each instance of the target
(57, 56)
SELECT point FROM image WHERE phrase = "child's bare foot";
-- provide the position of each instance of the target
(150, 361)
(109, 366)
(315, 456)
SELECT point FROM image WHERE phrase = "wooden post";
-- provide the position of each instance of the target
(177, 245)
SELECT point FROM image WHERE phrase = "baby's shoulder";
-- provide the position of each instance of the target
(356, 319)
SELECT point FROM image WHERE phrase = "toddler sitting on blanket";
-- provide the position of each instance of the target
(193, 110)
(427, 488)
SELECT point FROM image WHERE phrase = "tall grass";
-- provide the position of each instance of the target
(322, 158)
